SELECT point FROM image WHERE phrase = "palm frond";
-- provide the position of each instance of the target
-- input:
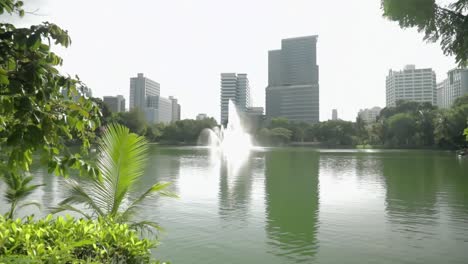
(158, 188)
(77, 195)
(34, 203)
(152, 228)
(67, 207)
(122, 162)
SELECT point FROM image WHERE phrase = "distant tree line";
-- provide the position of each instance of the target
(407, 125)
(184, 131)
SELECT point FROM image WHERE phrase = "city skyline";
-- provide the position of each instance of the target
(353, 62)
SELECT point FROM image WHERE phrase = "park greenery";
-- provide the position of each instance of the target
(443, 21)
(184, 131)
(70, 240)
(43, 113)
(407, 125)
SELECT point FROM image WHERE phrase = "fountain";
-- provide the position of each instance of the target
(232, 140)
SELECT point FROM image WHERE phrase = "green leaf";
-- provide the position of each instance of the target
(3, 77)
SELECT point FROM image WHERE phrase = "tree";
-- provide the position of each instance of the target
(18, 188)
(34, 115)
(401, 128)
(449, 23)
(135, 120)
(466, 134)
(462, 100)
(336, 132)
(280, 135)
(121, 161)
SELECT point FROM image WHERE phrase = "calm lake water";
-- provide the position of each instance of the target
(301, 205)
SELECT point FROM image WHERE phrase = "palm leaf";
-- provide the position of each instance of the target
(37, 204)
(158, 188)
(67, 207)
(77, 195)
(122, 162)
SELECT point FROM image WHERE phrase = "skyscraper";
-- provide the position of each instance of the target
(293, 80)
(334, 114)
(175, 109)
(140, 88)
(115, 103)
(236, 88)
(411, 84)
(454, 86)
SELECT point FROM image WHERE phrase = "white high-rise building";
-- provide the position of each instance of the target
(334, 114)
(369, 115)
(236, 88)
(140, 88)
(145, 95)
(411, 84)
(456, 85)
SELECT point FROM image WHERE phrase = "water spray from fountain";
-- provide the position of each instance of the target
(230, 140)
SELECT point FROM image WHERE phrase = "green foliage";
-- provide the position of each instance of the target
(466, 134)
(187, 130)
(336, 132)
(135, 120)
(121, 160)
(449, 126)
(275, 136)
(18, 188)
(11, 6)
(445, 23)
(67, 240)
(401, 128)
(460, 101)
(34, 115)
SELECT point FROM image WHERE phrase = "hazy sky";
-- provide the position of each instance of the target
(185, 45)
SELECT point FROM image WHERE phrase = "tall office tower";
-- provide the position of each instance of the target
(293, 81)
(175, 109)
(140, 88)
(369, 115)
(411, 84)
(334, 114)
(115, 103)
(234, 87)
(456, 85)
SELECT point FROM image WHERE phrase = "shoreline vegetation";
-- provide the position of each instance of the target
(408, 125)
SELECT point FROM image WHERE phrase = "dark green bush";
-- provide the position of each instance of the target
(70, 240)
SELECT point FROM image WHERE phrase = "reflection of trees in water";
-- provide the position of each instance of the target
(292, 203)
(455, 172)
(235, 188)
(421, 187)
(412, 185)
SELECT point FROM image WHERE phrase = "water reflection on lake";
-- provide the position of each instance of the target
(297, 205)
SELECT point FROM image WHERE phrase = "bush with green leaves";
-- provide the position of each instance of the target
(70, 240)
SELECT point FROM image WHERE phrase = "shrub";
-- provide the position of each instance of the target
(70, 240)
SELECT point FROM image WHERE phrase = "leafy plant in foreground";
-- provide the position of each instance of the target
(18, 188)
(68, 240)
(122, 159)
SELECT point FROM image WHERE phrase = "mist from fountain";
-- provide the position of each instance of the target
(232, 140)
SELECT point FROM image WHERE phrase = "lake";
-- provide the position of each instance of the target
(304, 205)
